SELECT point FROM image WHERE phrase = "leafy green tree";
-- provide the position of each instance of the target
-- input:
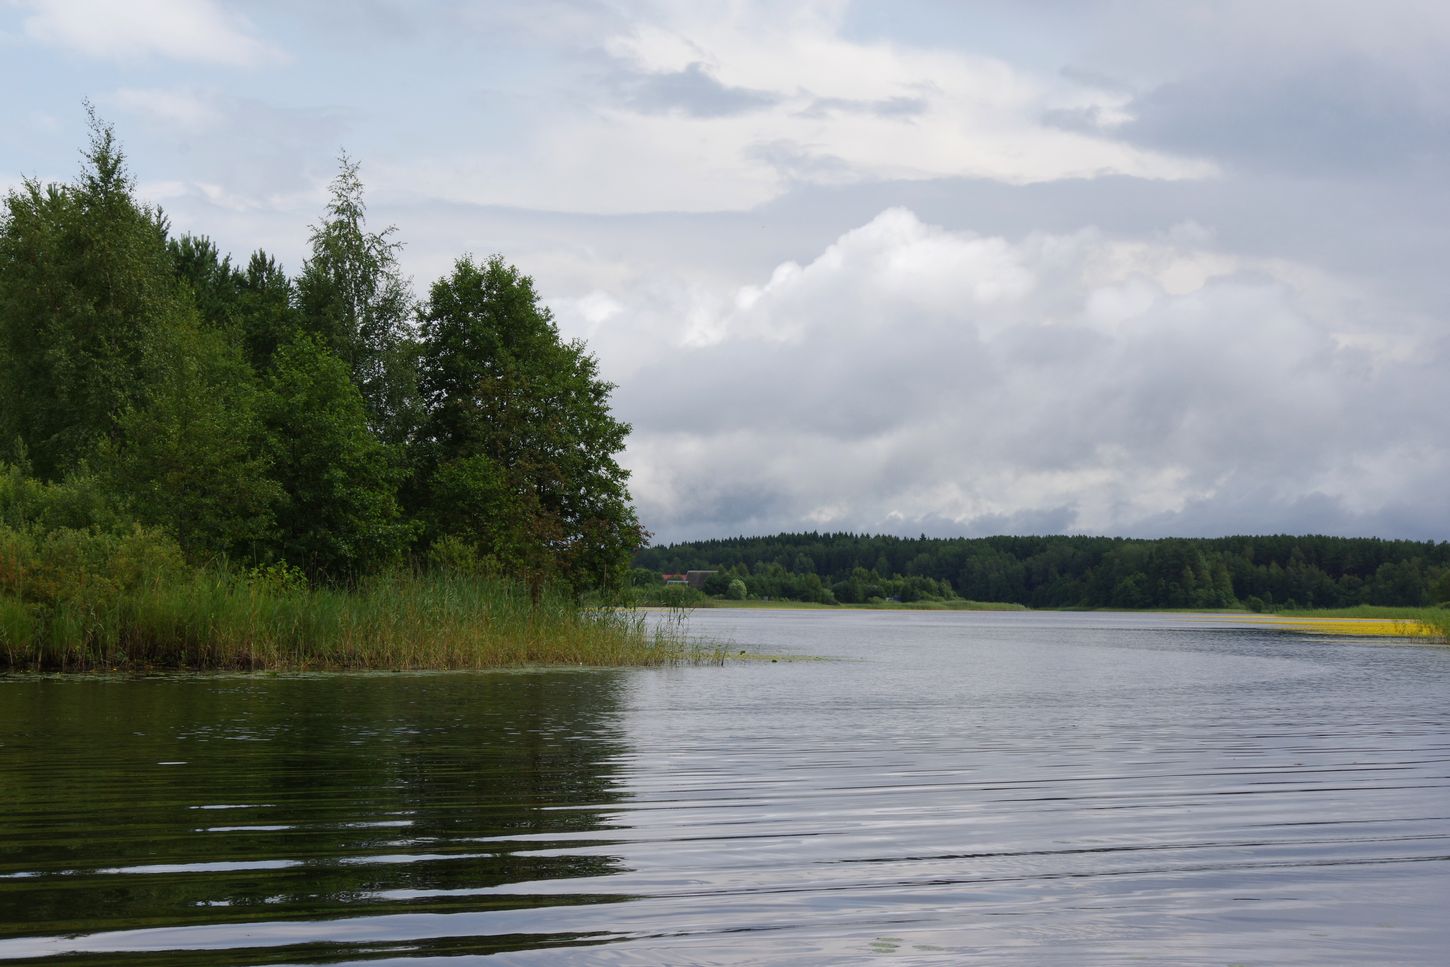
(470, 499)
(104, 360)
(191, 455)
(213, 282)
(519, 446)
(643, 577)
(736, 590)
(86, 284)
(352, 294)
(715, 584)
(339, 516)
(79, 502)
(252, 307)
(268, 315)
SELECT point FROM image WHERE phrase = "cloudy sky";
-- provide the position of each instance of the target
(921, 266)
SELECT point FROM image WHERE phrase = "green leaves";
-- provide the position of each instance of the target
(191, 457)
(276, 424)
(353, 296)
(518, 448)
(339, 516)
(85, 287)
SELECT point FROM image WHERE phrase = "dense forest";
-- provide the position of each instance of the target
(165, 410)
(1261, 573)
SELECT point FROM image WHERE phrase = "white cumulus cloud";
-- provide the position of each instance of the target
(911, 377)
(724, 108)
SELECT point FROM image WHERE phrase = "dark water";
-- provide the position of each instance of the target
(1016, 788)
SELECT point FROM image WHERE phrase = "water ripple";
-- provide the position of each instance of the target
(1044, 789)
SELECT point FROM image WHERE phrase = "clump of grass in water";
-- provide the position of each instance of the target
(206, 620)
(1374, 620)
(1438, 620)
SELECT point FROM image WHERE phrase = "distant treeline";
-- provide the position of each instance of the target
(1267, 572)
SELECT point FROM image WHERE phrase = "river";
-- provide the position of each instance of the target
(1030, 788)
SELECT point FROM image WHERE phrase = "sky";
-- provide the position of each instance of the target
(919, 267)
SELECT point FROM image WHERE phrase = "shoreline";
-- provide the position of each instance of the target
(788, 605)
(1393, 622)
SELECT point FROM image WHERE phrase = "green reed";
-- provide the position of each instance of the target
(1436, 618)
(406, 620)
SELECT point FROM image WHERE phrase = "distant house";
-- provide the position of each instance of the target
(696, 579)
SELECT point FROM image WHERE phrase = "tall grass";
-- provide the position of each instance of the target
(402, 621)
(1438, 620)
(1435, 620)
(83, 588)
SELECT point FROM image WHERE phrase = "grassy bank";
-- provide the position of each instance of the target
(405, 621)
(1370, 621)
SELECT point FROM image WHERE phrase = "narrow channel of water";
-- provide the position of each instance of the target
(1018, 788)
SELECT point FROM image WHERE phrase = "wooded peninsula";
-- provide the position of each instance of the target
(213, 464)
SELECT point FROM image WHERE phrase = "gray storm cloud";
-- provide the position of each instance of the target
(913, 378)
(1119, 267)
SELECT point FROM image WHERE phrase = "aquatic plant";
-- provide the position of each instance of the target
(1371, 621)
(75, 600)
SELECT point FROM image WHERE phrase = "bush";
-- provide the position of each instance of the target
(79, 501)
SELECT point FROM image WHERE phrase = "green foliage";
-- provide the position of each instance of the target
(470, 504)
(1264, 573)
(59, 586)
(643, 577)
(278, 577)
(19, 627)
(450, 554)
(679, 597)
(736, 590)
(353, 296)
(518, 450)
(192, 454)
(716, 584)
(201, 463)
(339, 514)
(190, 618)
(1438, 619)
(86, 287)
(252, 308)
(209, 276)
(81, 501)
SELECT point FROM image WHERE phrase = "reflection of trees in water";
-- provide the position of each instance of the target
(383, 786)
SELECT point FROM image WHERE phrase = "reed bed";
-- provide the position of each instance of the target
(1370, 621)
(219, 620)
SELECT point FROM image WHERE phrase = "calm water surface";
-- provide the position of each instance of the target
(948, 788)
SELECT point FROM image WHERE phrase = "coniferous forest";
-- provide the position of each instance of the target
(1259, 573)
(173, 419)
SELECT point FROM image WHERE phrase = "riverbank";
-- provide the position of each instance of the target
(406, 621)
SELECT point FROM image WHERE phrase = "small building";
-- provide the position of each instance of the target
(676, 578)
(696, 579)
